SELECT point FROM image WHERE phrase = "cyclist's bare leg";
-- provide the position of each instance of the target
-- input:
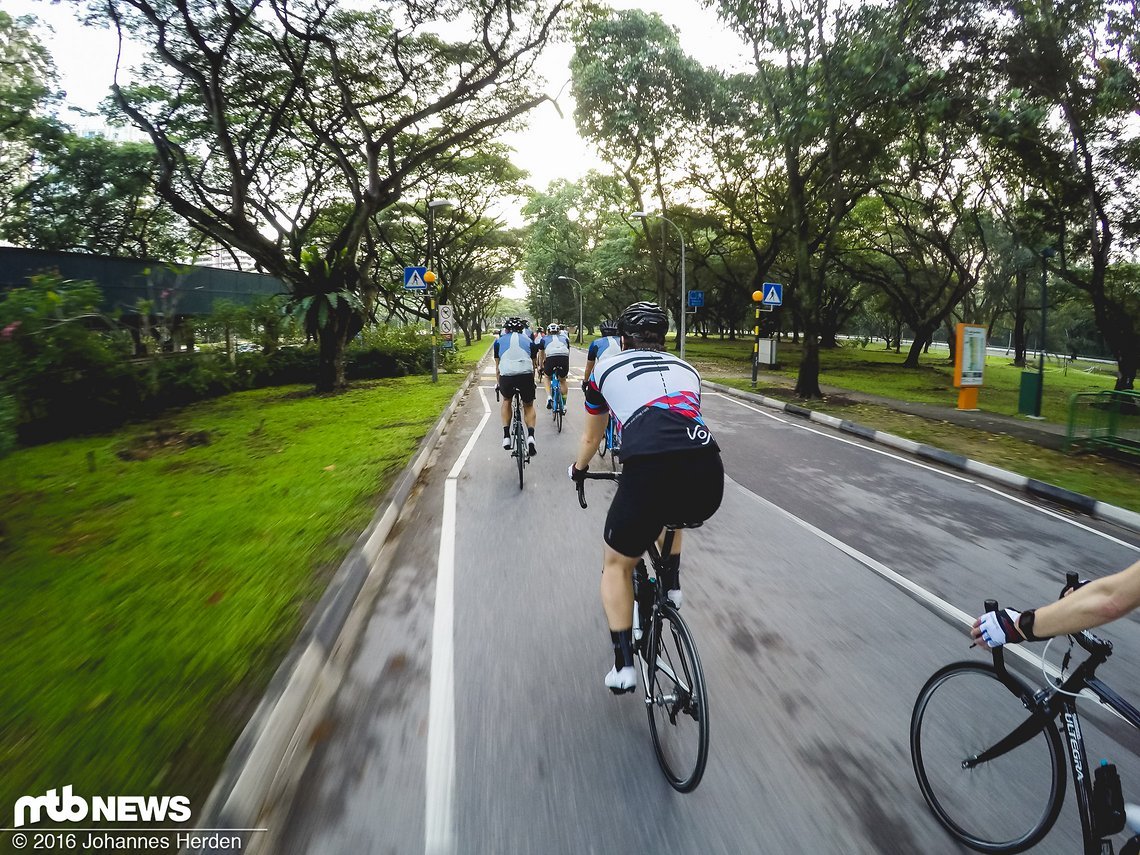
(505, 411)
(529, 415)
(617, 588)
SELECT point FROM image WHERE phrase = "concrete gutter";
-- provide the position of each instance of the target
(1058, 495)
(255, 775)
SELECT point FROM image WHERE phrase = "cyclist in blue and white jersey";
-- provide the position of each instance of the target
(608, 345)
(555, 347)
(515, 357)
(672, 470)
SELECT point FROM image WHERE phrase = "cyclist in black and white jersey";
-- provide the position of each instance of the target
(672, 470)
(515, 354)
(608, 345)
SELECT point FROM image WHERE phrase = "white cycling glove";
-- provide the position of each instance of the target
(1000, 628)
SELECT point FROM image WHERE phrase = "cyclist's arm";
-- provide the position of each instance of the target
(1098, 602)
(592, 435)
(586, 374)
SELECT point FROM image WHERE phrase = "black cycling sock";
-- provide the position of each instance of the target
(622, 641)
(506, 431)
(530, 431)
(671, 572)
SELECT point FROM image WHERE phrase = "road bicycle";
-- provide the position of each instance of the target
(988, 752)
(558, 403)
(520, 449)
(611, 444)
(676, 699)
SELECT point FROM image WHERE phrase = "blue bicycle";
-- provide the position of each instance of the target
(558, 405)
(612, 443)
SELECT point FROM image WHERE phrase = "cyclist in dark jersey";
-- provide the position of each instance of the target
(672, 470)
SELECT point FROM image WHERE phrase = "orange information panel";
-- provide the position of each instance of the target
(969, 364)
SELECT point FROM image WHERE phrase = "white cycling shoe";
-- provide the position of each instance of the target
(531, 447)
(674, 597)
(507, 442)
(620, 682)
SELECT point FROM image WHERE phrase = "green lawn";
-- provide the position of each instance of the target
(152, 579)
(879, 372)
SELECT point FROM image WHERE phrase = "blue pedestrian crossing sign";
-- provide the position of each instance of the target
(414, 279)
(773, 294)
(696, 298)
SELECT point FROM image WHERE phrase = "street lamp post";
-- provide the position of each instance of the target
(579, 284)
(431, 206)
(684, 294)
(1047, 253)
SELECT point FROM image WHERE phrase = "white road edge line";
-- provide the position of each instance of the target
(846, 441)
(1061, 517)
(1037, 508)
(932, 601)
(439, 825)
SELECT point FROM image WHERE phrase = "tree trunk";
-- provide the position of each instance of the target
(332, 338)
(1019, 321)
(921, 337)
(1126, 369)
(807, 381)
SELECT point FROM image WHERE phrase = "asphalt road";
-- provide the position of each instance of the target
(473, 718)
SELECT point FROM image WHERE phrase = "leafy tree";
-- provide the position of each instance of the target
(95, 195)
(1071, 75)
(27, 92)
(281, 128)
(830, 82)
(637, 96)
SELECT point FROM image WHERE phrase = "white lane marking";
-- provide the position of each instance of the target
(932, 601)
(845, 441)
(1061, 517)
(458, 467)
(439, 822)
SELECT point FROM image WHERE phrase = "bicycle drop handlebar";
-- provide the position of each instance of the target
(1091, 643)
(595, 476)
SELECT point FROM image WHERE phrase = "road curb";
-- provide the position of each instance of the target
(1058, 495)
(250, 776)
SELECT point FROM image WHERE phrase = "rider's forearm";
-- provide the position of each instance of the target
(592, 434)
(1099, 602)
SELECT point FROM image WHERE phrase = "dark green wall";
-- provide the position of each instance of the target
(124, 281)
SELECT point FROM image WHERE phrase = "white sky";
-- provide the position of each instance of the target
(549, 147)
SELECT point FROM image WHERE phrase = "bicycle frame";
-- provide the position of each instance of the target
(1045, 706)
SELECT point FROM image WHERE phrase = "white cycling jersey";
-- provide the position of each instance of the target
(515, 352)
(656, 398)
(556, 345)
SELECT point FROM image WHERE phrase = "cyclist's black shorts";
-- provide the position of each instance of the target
(561, 364)
(682, 486)
(524, 383)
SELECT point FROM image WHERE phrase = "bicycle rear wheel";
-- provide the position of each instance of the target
(677, 701)
(559, 407)
(520, 448)
(1006, 804)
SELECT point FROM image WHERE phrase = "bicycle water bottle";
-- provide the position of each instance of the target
(1108, 800)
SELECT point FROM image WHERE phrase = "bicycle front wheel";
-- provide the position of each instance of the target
(677, 702)
(1006, 804)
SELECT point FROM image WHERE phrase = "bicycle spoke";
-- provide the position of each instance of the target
(1005, 804)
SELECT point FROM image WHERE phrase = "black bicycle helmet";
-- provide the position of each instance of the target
(643, 317)
(514, 325)
(609, 327)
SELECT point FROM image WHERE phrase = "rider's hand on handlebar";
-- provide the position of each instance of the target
(577, 475)
(993, 629)
(1068, 589)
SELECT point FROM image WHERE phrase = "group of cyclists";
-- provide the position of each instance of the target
(672, 472)
(655, 398)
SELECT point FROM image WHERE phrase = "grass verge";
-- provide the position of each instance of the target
(152, 579)
(879, 372)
